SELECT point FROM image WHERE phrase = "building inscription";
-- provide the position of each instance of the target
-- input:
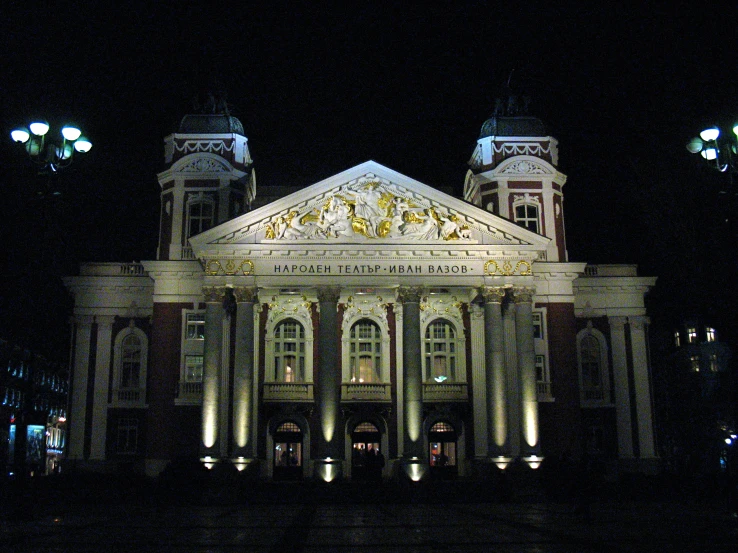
(371, 269)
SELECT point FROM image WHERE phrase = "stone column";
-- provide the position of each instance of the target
(103, 360)
(243, 373)
(530, 444)
(211, 393)
(512, 379)
(480, 401)
(642, 383)
(328, 385)
(83, 331)
(622, 387)
(494, 357)
(412, 373)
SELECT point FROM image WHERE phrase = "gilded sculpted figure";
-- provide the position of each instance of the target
(369, 211)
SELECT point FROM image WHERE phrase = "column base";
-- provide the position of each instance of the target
(328, 469)
(414, 469)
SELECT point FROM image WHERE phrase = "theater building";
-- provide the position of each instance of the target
(364, 325)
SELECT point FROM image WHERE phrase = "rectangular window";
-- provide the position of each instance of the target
(195, 326)
(713, 362)
(127, 443)
(537, 325)
(193, 368)
(677, 339)
(692, 335)
(711, 335)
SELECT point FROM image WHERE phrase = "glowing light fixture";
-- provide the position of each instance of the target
(39, 128)
(441, 378)
(20, 135)
(718, 148)
(710, 134)
(50, 151)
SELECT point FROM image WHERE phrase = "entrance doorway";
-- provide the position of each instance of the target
(442, 455)
(288, 452)
(367, 461)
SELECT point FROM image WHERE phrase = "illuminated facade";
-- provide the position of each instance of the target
(365, 326)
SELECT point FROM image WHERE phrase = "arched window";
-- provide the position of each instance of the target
(593, 371)
(289, 352)
(527, 216)
(200, 214)
(440, 351)
(365, 352)
(130, 365)
(131, 347)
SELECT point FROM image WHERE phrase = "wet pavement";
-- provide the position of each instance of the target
(376, 527)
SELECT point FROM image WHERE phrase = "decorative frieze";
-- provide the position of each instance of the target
(505, 267)
(228, 267)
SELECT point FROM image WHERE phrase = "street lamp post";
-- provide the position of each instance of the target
(50, 153)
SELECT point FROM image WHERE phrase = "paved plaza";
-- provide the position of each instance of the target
(321, 526)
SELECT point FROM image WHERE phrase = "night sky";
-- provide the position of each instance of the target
(409, 87)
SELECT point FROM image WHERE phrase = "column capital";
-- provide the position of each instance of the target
(523, 294)
(409, 294)
(329, 294)
(245, 294)
(104, 320)
(639, 322)
(493, 294)
(214, 294)
(617, 323)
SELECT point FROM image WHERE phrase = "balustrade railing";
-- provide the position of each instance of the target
(447, 391)
(373, 391)
(288, 391)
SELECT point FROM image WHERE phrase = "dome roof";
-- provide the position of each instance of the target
(513, 126)
(210, 124)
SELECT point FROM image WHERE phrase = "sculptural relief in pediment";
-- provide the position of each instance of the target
(371, 210)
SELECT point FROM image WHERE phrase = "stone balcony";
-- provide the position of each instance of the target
(446, 391)
(375, 391)
(129, 397)
(189, 393)
(288, 391)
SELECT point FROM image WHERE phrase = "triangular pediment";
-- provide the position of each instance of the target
(369, 205)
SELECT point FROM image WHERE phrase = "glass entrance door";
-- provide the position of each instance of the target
(442, 454)
(367, 460)
(288, 452)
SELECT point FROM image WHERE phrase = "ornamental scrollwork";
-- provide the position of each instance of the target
(204, 166)
(229, 267)
(521, 268)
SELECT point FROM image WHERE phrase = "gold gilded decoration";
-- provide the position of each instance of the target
(440, 306)
(522, 268)
(369, 210)
(229, 267)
